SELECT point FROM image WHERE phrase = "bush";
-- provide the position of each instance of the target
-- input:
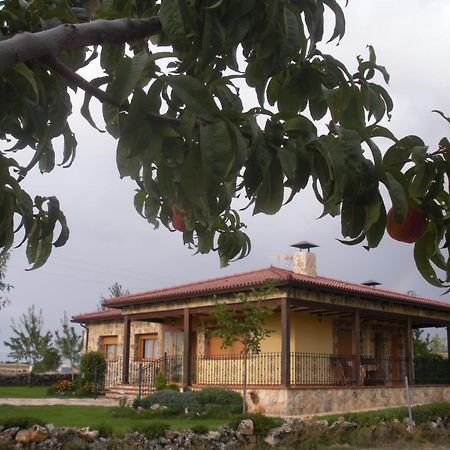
(225, 398)
(200, 429)
(160, 381)
(104, 430)
(20, 421)
(153, 429)
(165, 397)
(173, 387)
(262, 423)
(92, 368)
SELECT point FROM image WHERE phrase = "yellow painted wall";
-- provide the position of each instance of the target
(308, 334)
(311, 335)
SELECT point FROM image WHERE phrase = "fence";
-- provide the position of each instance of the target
(264, 369)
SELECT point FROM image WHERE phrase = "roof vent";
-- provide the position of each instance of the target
(371, 283)
(305, 261)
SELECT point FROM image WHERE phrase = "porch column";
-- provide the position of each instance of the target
(409, 352)
(285, 343)
(356, 347)
(448, 344)
(126, 349)
(187, 322)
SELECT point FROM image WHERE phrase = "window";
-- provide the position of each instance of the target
(148, 347)
(109, 346)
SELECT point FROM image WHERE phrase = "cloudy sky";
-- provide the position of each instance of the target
(109, 242)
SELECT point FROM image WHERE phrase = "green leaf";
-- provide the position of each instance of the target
(23, 70)
(128, 74)
(398, 197)
(339, 28)
(424, 249)
(195, 96)
(269, 197)
(216, 149)
(170, 15)
(64, 233)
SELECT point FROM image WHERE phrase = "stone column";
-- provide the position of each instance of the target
(187, 320)
(285, 343)
(356, 347)
(126, 349)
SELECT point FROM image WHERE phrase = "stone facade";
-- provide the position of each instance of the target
(300, 401)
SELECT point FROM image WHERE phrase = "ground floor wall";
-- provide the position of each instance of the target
(305, 401)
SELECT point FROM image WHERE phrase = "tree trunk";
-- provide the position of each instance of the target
(244, 380)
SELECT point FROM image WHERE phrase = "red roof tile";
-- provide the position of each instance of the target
(105, 314)
(249, 280)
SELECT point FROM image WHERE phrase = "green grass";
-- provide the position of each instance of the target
(92, 416)
(23, 391)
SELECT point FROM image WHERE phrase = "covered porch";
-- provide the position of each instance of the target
(315, 344)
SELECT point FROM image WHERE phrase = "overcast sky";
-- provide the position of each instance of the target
(109, 242)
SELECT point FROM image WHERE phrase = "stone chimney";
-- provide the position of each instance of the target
(304, 260)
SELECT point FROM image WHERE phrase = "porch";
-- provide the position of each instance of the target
(264, 370)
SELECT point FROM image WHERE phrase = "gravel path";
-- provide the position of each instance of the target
(58, 401)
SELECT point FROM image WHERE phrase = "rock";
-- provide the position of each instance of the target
(154, 407)
(275, 436)
(134, 441)
(171, 434)
(246, 427)
(341, 419)
(50, 428)
(140, 409)
(38, 433)
(433, 425)
(8, 434)
(23, 436)
(439, 423)
(319, 423)
(87, 434)
(213, 435)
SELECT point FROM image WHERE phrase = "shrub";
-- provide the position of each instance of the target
(104, 430)
(165, 397)
(92, 368)
(200, 429)
(64, 387)
(173, 387)
(160, 381)
(20, 421)
(153, 429)
(225, 398)
(262, 423)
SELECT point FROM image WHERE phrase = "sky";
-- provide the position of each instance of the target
(109, 242)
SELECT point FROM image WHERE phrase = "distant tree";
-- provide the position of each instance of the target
(115, 290)
(4, 287)
(245, 324)
(427, 347)
(51, 359)
(29, 342)
(68, 342)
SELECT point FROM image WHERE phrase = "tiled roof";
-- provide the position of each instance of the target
(281, 277)
(104, 314)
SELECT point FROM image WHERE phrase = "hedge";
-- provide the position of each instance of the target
(33, 379)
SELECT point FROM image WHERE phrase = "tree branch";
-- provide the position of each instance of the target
(96, 92)
(28, 46)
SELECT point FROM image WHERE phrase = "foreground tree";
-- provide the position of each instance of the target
(4, 287)
(29, 343)
(245, 324)
(69, 343)
(185, 136)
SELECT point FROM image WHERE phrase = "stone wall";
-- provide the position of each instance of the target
(302, 401)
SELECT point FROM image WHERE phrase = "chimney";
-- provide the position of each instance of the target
(305, 261)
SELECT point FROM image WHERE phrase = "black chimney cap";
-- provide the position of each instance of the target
(371, 283)
(304, 245)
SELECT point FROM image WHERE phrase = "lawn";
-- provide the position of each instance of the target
(23, 391)
(94, 416)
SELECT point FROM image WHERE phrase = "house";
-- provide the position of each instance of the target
(335, 345)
